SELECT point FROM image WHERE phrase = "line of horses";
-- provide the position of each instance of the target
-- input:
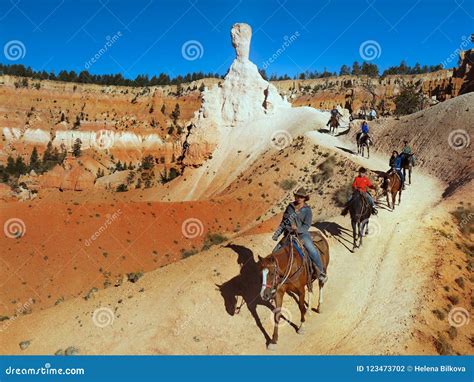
(285, 271)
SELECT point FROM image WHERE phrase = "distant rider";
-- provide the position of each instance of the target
(372, 114)
(408, 151)
(334, 114)
(364, 130)
(298, 216)
(362, 183)
(395, 163)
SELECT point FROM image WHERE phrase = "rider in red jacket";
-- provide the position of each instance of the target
(362, 184)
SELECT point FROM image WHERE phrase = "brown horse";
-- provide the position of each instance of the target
(286, 271)
(391, 186)
(333, 125)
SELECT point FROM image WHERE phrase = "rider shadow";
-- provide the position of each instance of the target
(337, 231)
(323, 130)
(246, 284)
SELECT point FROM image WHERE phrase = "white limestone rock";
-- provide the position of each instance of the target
(244, 95)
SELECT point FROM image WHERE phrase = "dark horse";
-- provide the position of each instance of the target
(286, 271)
(333, 125)
(363, 143)
(407, 164)
(360, 212)
(392, 185)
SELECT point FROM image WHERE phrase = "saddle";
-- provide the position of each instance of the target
(310, 267)
(394, 171)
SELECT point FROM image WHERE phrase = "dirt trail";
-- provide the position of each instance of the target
(369, 303)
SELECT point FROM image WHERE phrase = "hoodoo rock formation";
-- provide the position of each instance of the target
(244, 95)
(238, 120)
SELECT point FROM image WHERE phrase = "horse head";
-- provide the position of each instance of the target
(269, 270)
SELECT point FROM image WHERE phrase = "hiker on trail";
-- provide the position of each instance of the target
(298, 217)
(395, 163)
(362, 184)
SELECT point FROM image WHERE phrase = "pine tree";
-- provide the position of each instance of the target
(355, 69)
(345, 70)
(20, 166)
(35, 163)
(10, 169)
(76, 148)
(48, 153)
(176, 113)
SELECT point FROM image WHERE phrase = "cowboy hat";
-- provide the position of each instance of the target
(302, 192)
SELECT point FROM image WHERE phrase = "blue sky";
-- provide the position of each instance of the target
(66, 34)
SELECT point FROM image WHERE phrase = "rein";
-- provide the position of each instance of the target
(278, 278)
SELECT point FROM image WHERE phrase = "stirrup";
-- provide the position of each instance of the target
(323, 277)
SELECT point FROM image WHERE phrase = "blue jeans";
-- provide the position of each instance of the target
(312, 251)
(370, 199)
(367, 196)
(310, 248)
(400, 174)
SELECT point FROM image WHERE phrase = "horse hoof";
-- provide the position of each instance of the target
(271, 346)
(301, 330)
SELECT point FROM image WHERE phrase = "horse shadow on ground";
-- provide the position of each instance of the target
(341, 234)
(246, 284)
(346, 150)
(324, 131)
(345, 132)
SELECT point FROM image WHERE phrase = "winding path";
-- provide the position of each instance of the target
(369, 299)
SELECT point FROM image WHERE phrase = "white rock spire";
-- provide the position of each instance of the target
(244, 94)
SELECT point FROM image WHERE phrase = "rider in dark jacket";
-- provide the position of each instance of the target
(334, 114)
(395, 163)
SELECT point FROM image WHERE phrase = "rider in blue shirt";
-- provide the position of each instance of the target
(364, 128)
